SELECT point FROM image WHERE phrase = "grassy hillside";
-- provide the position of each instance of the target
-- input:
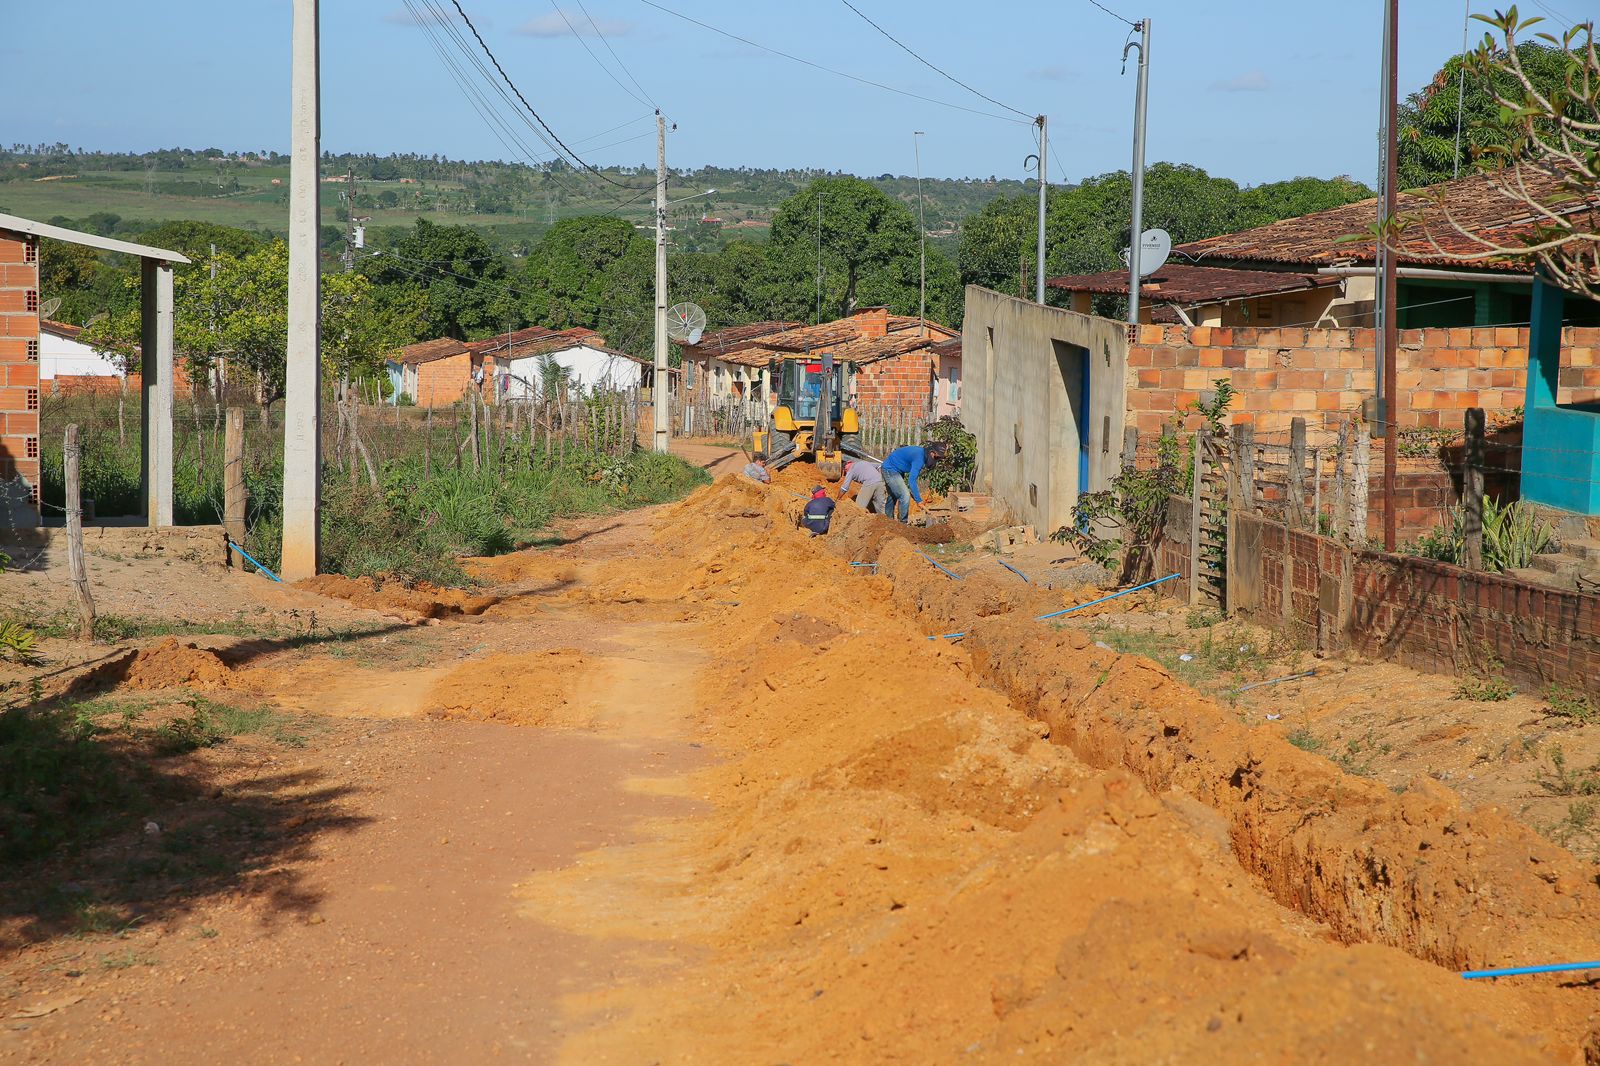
(514, 204)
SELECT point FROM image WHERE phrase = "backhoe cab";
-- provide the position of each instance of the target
(811, 421)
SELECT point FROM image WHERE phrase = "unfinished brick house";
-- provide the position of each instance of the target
(19, 368)
(899, 360)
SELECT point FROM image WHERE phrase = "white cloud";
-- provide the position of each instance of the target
(1251, 81)
(554, 25)
(1054, 73)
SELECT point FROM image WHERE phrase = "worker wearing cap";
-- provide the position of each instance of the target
(901, 468)
(872, 496)
(818, 513)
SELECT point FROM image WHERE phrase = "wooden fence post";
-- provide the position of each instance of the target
(1297, 473)
(1341, 484)
(1360, 475)
(1247, 466)
(1472, 489)
(233, 502)
(1196, 503)
(76, 567)
(1130, 449)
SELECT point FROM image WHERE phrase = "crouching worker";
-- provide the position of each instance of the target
(901, 468)
(818, 514)
(756, 470)
(871, 496)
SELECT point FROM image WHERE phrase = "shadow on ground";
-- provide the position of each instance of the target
(102, 827)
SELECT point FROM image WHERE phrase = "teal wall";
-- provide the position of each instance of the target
(1560, 445)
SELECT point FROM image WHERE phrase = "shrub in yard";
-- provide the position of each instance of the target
(1513, 534)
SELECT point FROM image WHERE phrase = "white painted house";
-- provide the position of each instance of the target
(63, 354)
(518, 360)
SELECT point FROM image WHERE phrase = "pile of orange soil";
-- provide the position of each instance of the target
(532, 688)
(171, 664)
(421, 600)
(920, 851)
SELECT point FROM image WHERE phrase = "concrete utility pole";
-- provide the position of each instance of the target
(660, 400)
(302, 441)
(1389, 404)
(922, 236)
(1043, 122)
(349, 256)
(1136, 239)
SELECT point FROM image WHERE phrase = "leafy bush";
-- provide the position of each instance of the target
(1569, 703)
(1512, 535)
(955, 472)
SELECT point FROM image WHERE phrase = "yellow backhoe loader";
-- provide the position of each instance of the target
(811, 420)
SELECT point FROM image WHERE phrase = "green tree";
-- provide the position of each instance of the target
(1428, 117)
(868, 246)
(571, 274)
(464, 283)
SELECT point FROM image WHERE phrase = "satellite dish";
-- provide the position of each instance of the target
(95, 320)
(1154, 248)
(686, 323)
(50, 307)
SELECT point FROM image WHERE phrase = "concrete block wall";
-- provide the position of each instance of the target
(19, 379)
(1281, 373)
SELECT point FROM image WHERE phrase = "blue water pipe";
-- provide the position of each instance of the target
(872, 566)
(252, 562)
(1557, 967)
(1069, 610)
(935, 562)
(1276, 680)
(1014, 570)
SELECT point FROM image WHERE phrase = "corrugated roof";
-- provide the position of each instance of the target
(1186, 284)
(732, 338)
(1475, 203)
(428, 351)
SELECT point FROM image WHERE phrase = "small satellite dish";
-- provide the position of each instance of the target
(686, 323)
(1154, 248)
(95, 320)
(50, 307)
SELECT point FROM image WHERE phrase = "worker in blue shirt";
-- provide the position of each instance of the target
(901, 468)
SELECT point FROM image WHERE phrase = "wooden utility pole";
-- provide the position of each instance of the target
(1387, 277)
(233, 501)
(76, 568)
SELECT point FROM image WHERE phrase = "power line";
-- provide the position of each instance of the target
(829, 70)
(488, 52)
(1112, 13)
(598, 32)
(943, 74)
(596, 58)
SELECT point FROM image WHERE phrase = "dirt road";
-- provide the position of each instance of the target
(692, 788)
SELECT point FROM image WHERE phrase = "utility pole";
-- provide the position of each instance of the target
(922, 235)
(659, 398)
(1044, 189)
(1388, 335)
(349, 256)
(302, 442)
(1136, 239)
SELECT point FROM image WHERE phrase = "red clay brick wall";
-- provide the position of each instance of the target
(1281, 373)
(873, 322)
(903, 383)
(1433, 616)
(443, 381)
(19, 361)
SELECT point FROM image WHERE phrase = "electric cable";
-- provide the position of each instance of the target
(1112, 13)
(829, 70)
(598, 32)
(943, 74)
(596, 58)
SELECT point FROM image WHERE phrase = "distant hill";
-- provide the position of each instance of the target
(513, 203)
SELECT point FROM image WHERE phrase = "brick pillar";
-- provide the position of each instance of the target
(19, 380)
(873, 322)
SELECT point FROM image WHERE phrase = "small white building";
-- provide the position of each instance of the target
(518, 360)
(63, 354)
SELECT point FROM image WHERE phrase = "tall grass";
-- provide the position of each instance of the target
(430, 506)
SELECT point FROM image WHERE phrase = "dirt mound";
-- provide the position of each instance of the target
(535, 688)
(421, 600)
(171, 664)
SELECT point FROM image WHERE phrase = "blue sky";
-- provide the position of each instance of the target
(1255, 91)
